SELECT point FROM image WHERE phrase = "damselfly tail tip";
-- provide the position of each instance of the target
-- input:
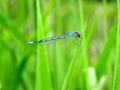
(30, 42)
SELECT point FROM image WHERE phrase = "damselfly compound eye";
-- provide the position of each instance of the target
(77, 34)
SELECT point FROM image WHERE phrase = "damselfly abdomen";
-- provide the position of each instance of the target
(70, 34)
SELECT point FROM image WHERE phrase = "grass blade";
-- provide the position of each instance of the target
(105, 18)
(104, 57)
(72, 65)
(43, 81)
(116, 84)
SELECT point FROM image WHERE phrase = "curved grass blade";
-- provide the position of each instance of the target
(73, 63)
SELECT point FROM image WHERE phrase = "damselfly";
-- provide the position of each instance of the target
(70, 34)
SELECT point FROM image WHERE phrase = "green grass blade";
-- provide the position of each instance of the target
(90, 31)
(70, 71)
(27, 81)
(58, 59)
(80, 3)
(104, 57)
(105, 18)
(43, 81)
(18, 72)
(116, 84)
(58, 66)
(110, 73)
(72, 65)
(84, 48)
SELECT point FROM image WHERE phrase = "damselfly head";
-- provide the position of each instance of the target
(77, 34)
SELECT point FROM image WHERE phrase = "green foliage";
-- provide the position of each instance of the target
(83, 64)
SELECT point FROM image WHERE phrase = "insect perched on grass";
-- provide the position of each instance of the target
(70, 34)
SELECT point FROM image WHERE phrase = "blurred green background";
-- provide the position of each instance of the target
(63, 64)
